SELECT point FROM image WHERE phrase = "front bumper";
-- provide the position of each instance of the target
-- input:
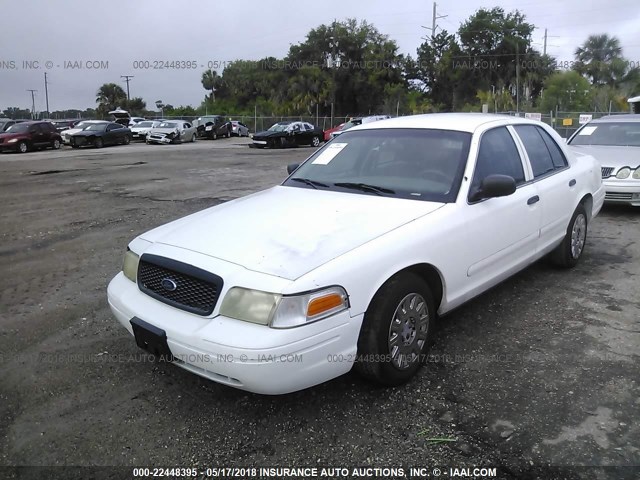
(160, 139)
(247, 356)
(623, 191)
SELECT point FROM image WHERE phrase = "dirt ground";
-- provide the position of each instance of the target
(538, 377)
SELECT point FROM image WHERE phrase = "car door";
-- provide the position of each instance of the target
(555, 181)
(38, 137)
(502, 233)
(111, 134)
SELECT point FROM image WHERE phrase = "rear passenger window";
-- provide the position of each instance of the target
(536, 148)
(497, 155)
(559, 161)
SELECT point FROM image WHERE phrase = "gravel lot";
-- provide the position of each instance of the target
(535, 377)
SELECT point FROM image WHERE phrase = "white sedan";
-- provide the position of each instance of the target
(348, 262)
(172, 131)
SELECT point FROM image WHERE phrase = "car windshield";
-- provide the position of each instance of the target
(609, 134)
(168, 125)
(96, 127)
(419, 164)
(349, 124)
(18, 128)
(144, 124)
(279, 127)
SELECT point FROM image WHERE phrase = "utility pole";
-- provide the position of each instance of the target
(46, 93)
(333, 70)
(544, 49)
(517, 78)
(433, 21)
(127, 79)
(33, 103)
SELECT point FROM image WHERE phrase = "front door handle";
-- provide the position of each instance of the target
(572, 182)
(533, 200)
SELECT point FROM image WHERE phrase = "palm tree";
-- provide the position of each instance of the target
(110, 96)
(598, 57)
(211, 81)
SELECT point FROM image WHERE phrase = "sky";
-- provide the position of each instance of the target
(82, 45)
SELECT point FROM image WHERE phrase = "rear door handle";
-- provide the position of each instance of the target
(572, 182)
(533, 200)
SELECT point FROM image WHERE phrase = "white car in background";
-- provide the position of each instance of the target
(172, 131)
(67, 134)
(349, 261)
(358, 121)
(140, 130)
(133, 121)
(614, 141)
(239, 129)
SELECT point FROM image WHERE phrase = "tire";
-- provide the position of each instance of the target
(392, 345)
(568, 253)
(126, 140)
(315, 142)
(98, 143)
(228, 134)
(193, 138)
(22, 147)
(75, 146)
(55, 144)
(215, 136)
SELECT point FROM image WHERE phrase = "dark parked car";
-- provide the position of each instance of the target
(101, 134)
(285, 134)
(25, 136)
(213, 126)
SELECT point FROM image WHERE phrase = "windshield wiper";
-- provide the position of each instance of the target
(310, 182)
(365, 187)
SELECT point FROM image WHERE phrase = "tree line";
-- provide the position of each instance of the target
(350, 68)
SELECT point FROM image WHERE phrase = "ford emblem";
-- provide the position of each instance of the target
(169, 284)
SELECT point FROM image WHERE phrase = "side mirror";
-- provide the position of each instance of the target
(292, 167)
(494, 186)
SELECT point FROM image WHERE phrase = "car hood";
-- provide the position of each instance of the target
(141, 129)
(9, 136)
(165, 131)
(289, 231)
(267, 134)
(611, 156)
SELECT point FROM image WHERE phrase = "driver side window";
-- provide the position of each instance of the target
(497, 155)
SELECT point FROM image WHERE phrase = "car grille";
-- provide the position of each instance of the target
(606, 172)
(618, 196)
(195, 291)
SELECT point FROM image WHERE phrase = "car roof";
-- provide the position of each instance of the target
(628, 117)
(463, 122)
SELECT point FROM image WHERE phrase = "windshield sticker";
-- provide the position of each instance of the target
(329, 153)
(587, 130)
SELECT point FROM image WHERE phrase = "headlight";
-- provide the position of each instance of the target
(636, 174)
(13, 140)
(130, 265)
(279, 311)
(623, 173)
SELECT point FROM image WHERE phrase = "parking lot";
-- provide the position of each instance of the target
(535, 377)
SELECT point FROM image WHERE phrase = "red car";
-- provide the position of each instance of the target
(26, 136)
(327, 133)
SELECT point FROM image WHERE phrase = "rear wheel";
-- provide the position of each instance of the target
(568, 253)
(396, 330)
(23, 147)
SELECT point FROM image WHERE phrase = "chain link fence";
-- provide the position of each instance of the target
(565, 123)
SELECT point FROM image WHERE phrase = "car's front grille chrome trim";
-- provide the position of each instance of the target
(606, 172)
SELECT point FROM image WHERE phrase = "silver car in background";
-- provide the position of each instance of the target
(239, 129)
(172, 131)
(140, 130)
(614, 141)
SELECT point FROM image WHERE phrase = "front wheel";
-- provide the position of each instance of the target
(315, 141)
(23, 147)
(98, 143)
(568, 253)
(56, 144)
(396, 330)
(193, 138)
(126, 140)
